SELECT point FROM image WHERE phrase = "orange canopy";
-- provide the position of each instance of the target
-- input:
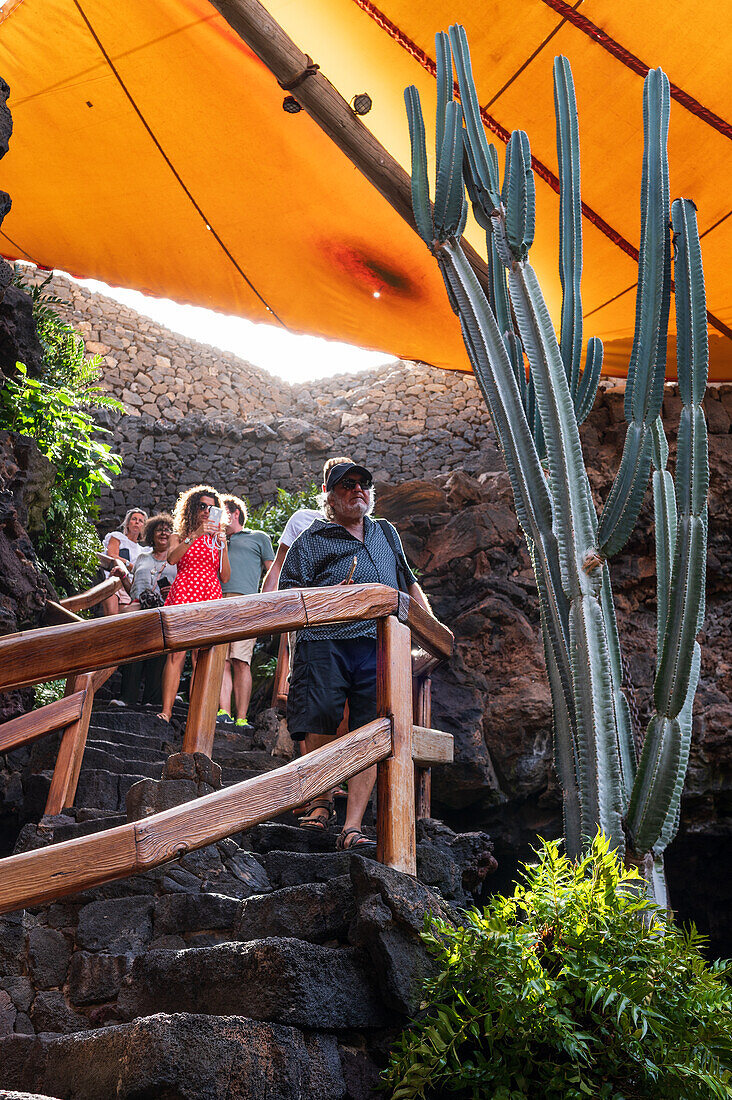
(151, 151)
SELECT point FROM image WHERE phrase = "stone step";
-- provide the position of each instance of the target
(105, 789)
(184, 1056)
(155, 741)
(128, 720)
(124, 752)
(96, 757)
(282, 980)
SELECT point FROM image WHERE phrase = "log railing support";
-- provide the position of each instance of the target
(395, 838)
(205, 693)
(423, 776)
(71, 750)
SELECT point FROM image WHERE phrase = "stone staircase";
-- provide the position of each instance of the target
(266, 965)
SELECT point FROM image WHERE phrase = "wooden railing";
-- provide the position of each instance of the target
(65, 611)
(86, 651)
(71, 713)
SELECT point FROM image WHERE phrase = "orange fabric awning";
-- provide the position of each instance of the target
(150, 150)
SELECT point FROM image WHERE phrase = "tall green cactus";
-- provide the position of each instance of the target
(537, 423)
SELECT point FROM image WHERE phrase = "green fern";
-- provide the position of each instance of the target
(561, 992)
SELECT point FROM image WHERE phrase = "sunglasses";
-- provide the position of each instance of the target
(205, 507)
(356, 482)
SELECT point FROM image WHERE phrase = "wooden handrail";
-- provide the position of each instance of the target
(27, 658)
(88, 651)
(93, 595)
(34, 878)
(431, 634)
(37, 723)
(54, 614)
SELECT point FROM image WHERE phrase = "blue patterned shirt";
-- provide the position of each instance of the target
(323, 556)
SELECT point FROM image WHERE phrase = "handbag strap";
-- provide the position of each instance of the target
(402, 574)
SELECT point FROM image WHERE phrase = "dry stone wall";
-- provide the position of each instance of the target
(195, 413)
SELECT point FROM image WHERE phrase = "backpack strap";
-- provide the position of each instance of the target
(402, 573)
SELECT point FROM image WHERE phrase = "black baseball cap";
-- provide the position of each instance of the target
(341, 470)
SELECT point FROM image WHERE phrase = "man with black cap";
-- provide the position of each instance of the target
(335, 664)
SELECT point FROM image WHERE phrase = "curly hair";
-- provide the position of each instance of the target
(162, 519)
(235, 504)
(185, 513)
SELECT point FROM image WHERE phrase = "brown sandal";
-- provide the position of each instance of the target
(359, 840)
(313, 819)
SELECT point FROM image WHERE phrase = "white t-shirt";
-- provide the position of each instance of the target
(128, 550)
(297, 523)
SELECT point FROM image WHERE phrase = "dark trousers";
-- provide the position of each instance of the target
(132, 676)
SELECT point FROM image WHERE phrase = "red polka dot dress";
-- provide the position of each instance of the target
(198, 575)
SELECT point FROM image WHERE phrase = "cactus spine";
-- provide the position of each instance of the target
(537, 422)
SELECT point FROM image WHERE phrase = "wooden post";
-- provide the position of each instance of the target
(396, 845)
(327, 107)
(205, 693)
(71, 750)
(423, 776)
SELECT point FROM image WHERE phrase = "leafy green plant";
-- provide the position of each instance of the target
(272, 516)
(54, 410)
(576, 986)
(634, 799)
(43, 694)
(53, 415)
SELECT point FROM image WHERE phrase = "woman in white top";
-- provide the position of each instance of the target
(124, 547)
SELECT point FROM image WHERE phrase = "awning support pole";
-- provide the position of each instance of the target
(326, 106)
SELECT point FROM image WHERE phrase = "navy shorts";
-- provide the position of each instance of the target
(325, 676)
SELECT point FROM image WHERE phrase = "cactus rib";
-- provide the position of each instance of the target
(647, 368)
(570, 221)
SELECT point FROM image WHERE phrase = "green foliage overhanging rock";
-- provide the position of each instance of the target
(633, 796)
(576, 986)
(53, 410)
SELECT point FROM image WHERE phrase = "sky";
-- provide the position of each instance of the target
(293, 358)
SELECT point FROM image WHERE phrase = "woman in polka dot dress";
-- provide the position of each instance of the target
(201, 568)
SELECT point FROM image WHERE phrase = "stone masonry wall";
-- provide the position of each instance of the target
(197, 414)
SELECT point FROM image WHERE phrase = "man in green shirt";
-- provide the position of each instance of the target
(250, 555)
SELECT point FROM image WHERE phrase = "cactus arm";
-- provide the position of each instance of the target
(655, 782)
(518, 195)
(692, 341)
(599, 778)
(682, 625)
(576, 529)
(646, 371)
(620, 514)
(686, 586)
(570, 220)
(444, 87)
(420, 182)
(647, 366)
(587, 389)
(626, 742)
(671, 823)
(664, 505)
(564, 723)
(449, 190)
(486, 163)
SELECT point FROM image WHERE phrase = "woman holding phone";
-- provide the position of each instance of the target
(198, 548)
